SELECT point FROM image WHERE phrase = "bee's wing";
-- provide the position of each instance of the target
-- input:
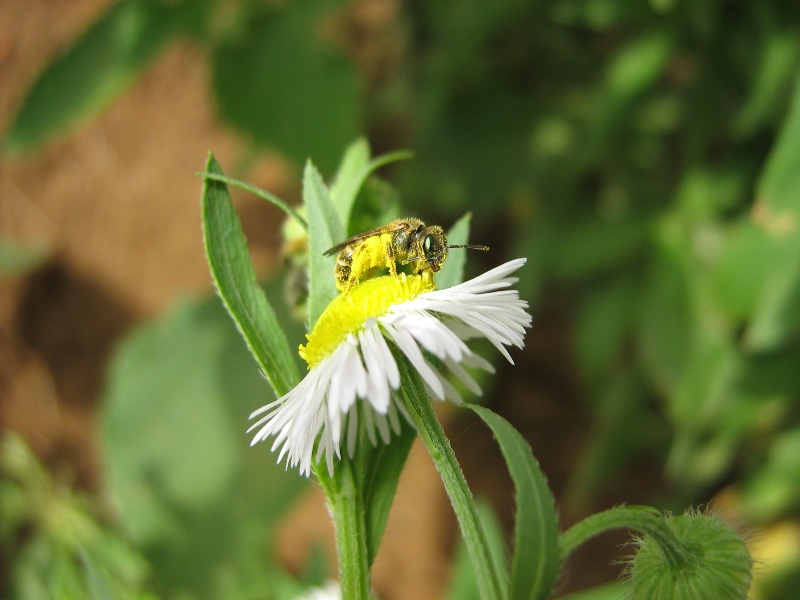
(395, 226)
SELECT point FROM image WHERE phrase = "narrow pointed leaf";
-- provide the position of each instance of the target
(229, 260)
(489, 575)
(536, 554)
(343, 191)
(264, 195)
(325, 229)
(353, 171)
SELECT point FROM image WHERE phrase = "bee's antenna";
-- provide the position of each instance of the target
(472, 246)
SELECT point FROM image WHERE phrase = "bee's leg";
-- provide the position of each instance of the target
(362, 261)
(390, 258)
(354, 276)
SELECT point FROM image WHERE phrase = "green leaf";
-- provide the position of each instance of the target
(638, 64)
(353, 171)
(489, 574)
(774, 490)
(229, 260)
(453, 271)
(780, 180)
(271, 198)
(777, 314)
(536, 553)
(379, 482)
(773, 77)
(666, 322)
(192, 494)
(772, 374)
(777, 213)
(463, 585)
(285, 84)
(325, 229)
(347, 181)
(740, 277)
(98, 67)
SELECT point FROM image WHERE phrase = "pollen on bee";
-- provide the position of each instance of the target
(371, 253)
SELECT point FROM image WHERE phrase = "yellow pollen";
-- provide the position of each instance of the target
(348, 312)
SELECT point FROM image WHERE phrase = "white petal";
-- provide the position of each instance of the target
(409, 347)
(465, 377)
(378, 392)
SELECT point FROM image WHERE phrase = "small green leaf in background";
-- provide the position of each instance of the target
(192, 494)
(774, 490)
(773, 80)
(283, 81)
(637, 65)
(536, 553)
(325, 230)
(229, 261)
(353, 171)
(777, 213)
(348, 180)
(665, 320)
(98, 67)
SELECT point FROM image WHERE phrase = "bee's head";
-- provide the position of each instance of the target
(430, 249)
(433, 247)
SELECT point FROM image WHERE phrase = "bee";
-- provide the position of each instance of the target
(404, 240)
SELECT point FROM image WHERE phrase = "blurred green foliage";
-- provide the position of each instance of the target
(644, 156)
(192, 495)
(53, 541)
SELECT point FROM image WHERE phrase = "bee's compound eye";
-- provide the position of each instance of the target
(427, 243)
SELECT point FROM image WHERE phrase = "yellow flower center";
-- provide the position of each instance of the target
(348, 312)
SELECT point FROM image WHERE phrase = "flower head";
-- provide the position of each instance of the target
(349, 358)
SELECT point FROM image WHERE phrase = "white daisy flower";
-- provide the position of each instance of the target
(349, 358)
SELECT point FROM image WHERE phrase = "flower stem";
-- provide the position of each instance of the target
(640, 518)
(418, 405)
(347, 508)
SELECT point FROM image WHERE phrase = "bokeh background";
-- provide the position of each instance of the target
(644, 156)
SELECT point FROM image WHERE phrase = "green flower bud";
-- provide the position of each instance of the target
(708, 561)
